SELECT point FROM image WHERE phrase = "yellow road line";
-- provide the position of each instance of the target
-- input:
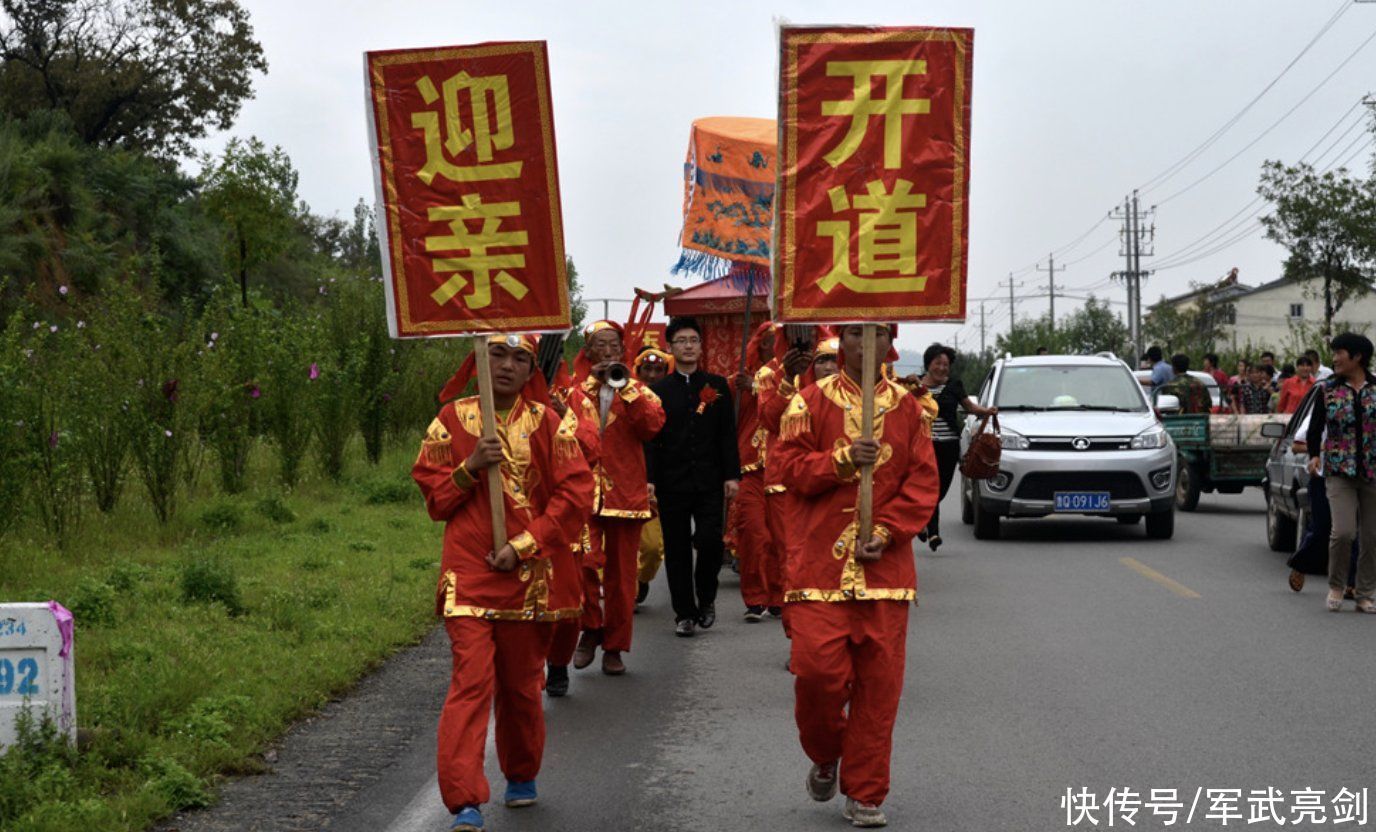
(1147, 572)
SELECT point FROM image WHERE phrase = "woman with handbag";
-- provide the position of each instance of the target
(950, 396)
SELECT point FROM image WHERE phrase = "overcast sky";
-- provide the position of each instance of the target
(1075, 104)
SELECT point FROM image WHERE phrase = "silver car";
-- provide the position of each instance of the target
(1079, 437)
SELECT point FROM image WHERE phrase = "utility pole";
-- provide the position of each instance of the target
(1133, 236)
(981, 328)
(1051, 285)
(1012, 300)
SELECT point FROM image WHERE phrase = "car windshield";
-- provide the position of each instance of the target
(1068, 387)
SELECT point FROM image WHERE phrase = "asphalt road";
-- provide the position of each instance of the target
(1072, 654)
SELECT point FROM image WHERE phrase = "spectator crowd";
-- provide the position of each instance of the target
(1258, 386)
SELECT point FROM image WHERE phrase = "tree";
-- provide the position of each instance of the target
(1193, 328)
(1090, 329)
(1093, 328)
(149, 75)
(1327, 221)
(253, 191)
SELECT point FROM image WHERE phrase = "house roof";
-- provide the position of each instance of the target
(1266, 287)
(1226, 289)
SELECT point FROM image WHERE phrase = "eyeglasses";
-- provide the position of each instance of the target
(686, 342)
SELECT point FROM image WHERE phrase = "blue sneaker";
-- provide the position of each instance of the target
(520, 794)
(469, 819)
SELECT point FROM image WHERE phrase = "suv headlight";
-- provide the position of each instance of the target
(1150, 438)
(1013, 441)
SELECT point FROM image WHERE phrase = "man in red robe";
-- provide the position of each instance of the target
(499, 607)
(775, 384)
(848, 592)
(568, 400)
(629, 415)
(761, 584)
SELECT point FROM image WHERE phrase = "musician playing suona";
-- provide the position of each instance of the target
(499, 607)
(629, 415)
(651, 365)
(848, 598)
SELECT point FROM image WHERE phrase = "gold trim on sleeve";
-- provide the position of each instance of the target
(525, 545)
(462, 477)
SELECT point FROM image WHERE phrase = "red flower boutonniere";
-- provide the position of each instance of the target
(706, 396)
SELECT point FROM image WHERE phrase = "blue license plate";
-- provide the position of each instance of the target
(1082, 501)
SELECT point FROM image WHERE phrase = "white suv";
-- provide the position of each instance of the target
(1079, 437)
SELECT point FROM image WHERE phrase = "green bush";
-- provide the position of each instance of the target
(125, 577)
(93, 602)
(177, 787)
(377, 492)
(223, 517)
(206, 580)
(276, 510)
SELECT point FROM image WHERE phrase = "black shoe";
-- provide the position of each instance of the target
(642, 593)
(922, 535)
(684, 628)
(934, 541)
(557, 681)
(707, 616)
(776, 612)
(754, 614)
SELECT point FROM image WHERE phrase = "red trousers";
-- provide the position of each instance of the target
(501, 661)
(760, 584)
(849, 653)
(778, 549)
(620, 538)
(564, 642)
(592, 597)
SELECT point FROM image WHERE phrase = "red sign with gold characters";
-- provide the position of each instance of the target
(463, 141)
(874, 160)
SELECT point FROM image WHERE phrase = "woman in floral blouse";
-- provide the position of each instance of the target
(1346, 458)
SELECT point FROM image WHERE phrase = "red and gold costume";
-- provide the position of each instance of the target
(849, 618)
(622, 504)
(761, 584)
(651, 534)
(587, 555)
(500, 623)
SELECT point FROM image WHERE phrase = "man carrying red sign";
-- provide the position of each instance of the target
(472, 243)
(871, 227)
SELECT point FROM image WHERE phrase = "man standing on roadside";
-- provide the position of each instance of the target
(848, 598)
(629, 416)
(1161, 371)
(1193, 395)
(694, 466)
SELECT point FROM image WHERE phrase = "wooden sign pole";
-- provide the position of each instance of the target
(864, 510)
(488, 407)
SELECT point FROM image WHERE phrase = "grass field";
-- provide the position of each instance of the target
(200, 641)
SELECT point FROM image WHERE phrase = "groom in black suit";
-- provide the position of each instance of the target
(693, 466)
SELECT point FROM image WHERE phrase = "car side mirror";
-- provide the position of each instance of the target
(1273, 430)
(1167, 404)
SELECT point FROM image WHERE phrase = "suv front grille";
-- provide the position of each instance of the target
(1063, 443)
(1043, 485)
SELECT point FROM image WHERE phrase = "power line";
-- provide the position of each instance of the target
(1274, 125)
(1227, 226)
(1251, 230)
(1180, 164)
